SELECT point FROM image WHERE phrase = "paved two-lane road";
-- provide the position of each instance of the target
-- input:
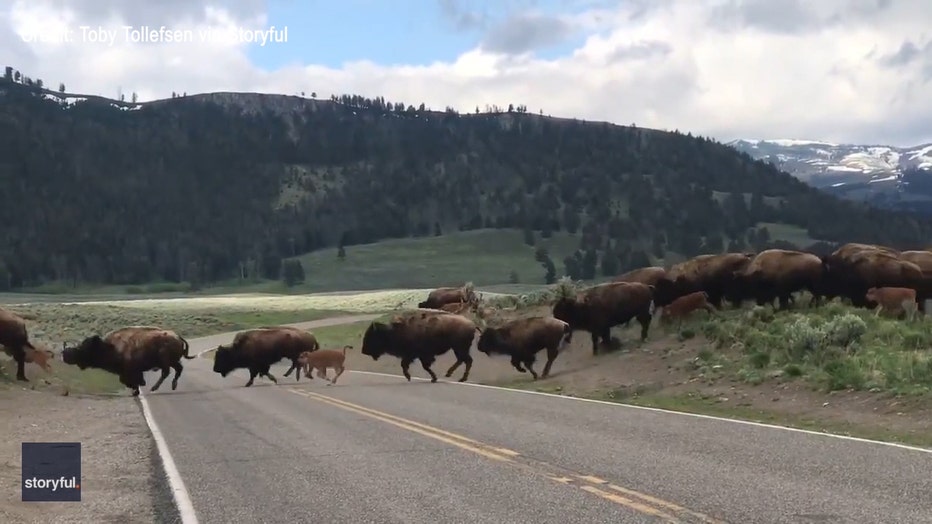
(379, 449)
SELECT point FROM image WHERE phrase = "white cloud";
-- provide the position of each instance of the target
(834, 70)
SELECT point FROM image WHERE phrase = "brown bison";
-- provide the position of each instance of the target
(645, 275)
(600, 307)
(854, 268)
(777, 274)
(131, 351)
(257, 349)
(15, 340)
(897, 300)
(923, 259)
(523, 338)
(422, 335)
(685, 305)
(447, 295)
(714, 274)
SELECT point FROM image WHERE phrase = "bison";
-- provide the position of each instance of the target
(714, 274)
(685, 305)
(645, 275)
(523, 338)
(897, 300)
(131, 351)
(777, 274)
(15, 339)
(257, 349)
(600, 307)
(923, 259)
(446, 295)
(422, 335)
(854, 268)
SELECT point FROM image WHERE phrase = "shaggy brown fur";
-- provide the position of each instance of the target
(645, 275)
(422, 335)
(714, 274)
(446, 295)
(321, 360)
(603, 306)
(923, 259)
(38, 356)
(131, 351)
(257, 349)
(685, 305)
(15, 339)
(523, 338)
(895, 300)
(777, 274)
(852, 269)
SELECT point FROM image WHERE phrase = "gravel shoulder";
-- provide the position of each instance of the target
(121, 473)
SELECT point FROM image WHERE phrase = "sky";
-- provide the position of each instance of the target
(848, 71)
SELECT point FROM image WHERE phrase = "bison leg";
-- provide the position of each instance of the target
(405, 364)
(455, 365)
(265, 372)
(252, 376)
(462, 355)
(595, 342)
(644, 320)
(178, 369)
(552, 353)
(517, 364)
(294, 366)
(19, 355)
(529, 364)
(339, 371)
(425, 363)
(165, 372)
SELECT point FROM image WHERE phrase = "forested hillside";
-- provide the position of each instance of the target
(210, 187)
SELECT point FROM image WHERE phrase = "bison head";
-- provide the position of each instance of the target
(666, 290)
(224, 361)
(92, 352)
(489, 341)
(376, 339)
(569, 310)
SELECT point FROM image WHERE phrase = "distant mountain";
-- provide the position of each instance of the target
(825, 164)
(875, 173)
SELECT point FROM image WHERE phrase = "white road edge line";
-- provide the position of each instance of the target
(179, 491)
(659, 410)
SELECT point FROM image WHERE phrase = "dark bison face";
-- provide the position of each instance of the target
(376, 339)
(91, 352)
(488, 341)
(667, 290)
(223, 361)
(569, 310)
(423, 304)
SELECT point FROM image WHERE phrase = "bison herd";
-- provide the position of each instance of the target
(866, 275)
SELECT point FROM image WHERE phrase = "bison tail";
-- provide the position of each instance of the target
(567, 336)
(186, 348)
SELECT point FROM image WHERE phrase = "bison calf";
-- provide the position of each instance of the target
(523, 338)
(130, 352)
(897, 300)
(257, 349)
(321, 360)
(685, 305)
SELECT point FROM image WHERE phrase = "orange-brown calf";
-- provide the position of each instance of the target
(685, 305)
(896, 300)
(37, 356)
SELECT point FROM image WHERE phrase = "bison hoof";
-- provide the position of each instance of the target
(433, 380)
(135, 392)
(23, 378)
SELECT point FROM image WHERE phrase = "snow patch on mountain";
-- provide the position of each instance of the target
(825, 164)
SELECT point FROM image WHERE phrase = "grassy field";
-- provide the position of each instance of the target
(793, 234)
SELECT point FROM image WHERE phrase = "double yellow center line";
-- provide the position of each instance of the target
(629, 498)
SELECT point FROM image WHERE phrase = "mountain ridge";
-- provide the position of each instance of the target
(218, 185)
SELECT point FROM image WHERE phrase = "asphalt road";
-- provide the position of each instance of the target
(379, 449)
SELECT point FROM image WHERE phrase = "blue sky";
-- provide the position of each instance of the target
(412, 32)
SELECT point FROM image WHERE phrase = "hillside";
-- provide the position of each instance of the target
(211, 187)
(886, 176)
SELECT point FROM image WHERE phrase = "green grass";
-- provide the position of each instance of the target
(483, 257)
(834, 347)
(52, 324)
(793, 234)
